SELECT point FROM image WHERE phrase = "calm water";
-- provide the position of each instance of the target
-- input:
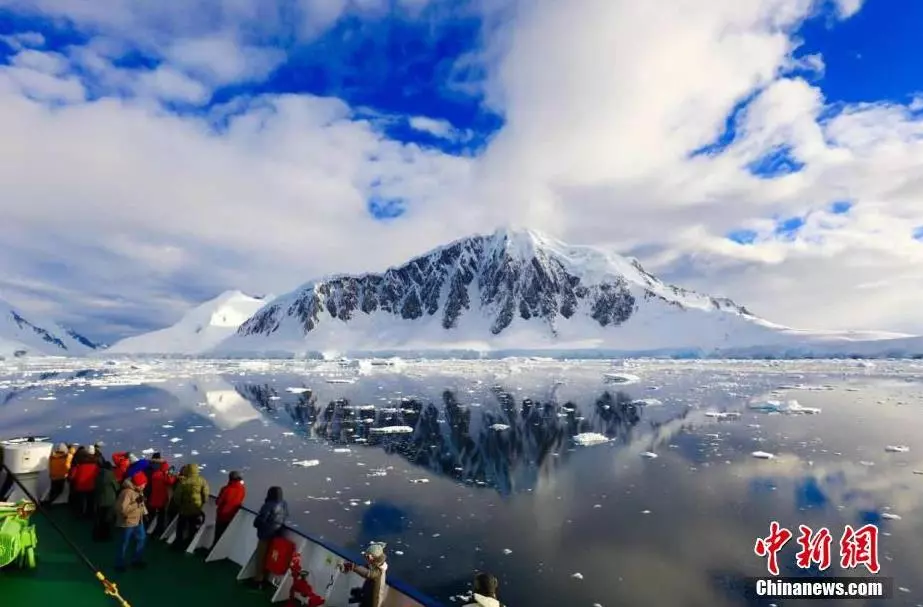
(521, 499)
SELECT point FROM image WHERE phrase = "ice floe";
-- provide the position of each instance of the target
(621, 378)
(392, 430)
(306, 463)
(897, 449)
(587, 439)
(776, 406)
(762, 455)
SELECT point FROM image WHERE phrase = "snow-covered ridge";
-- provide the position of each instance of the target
(198, 331)
(519, 292)
(28, 335)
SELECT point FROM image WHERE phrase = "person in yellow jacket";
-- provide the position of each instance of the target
(59, 464)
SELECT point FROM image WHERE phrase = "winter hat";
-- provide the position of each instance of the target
(156, 455)
(132, 458)
(61, 448)
(235, 476)
(139, 479)
(91, 450)
(376, 550)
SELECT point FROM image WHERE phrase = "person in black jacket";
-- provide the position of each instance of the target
(268, 523)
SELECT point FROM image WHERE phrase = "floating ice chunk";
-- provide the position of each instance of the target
(507, 551)
(500, 427)
(723, 414)
(47, 398)
(918, 472)
(392, 430)
(649, 454)
(762, 455)
(167, 427)
(897, 449)
(577, 576)
(306, 463)
(178, 456)
(890, 516)
(621, 378)
(288, 434)
(645, 512)
(298, 390)
(777, 406)
(419, 480)
(398, 552)
(148, 451)
(175, 440)
(647, 402)
(342, 450)
(587, 439)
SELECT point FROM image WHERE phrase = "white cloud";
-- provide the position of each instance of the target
(171, 85)
(221, 59)
(437, 128)
(604, 102)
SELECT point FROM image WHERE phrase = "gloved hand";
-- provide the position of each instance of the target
(347, 566)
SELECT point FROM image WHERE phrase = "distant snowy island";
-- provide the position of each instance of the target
(510, 293)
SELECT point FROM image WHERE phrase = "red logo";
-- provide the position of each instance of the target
(860, 547)
(769, 546)
(815, 548)
(857, 547)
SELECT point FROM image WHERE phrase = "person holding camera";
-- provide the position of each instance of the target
(485, 591)
(129, 513)
(375, 587)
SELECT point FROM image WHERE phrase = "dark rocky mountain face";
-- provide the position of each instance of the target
(488, 272)
(44, 334)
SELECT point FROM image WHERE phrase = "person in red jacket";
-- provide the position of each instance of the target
(161, 482)
(121, 461)
(82, 477)
(230, 499)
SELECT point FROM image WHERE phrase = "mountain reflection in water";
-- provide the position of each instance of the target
(508, 447)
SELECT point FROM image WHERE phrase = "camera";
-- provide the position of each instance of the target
(355, 595)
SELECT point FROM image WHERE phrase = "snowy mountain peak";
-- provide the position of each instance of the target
(513, 288)
(199, 330)
(26, 334)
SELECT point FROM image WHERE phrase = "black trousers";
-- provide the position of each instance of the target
(103, 524)
(57, 488)
(83, 503)
(186, 527)
(220, 528)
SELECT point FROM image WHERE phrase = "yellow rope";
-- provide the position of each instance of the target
(111, 589)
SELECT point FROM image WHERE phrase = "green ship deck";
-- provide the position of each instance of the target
(170, 578)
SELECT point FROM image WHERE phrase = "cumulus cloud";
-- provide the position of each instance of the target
(605, 102)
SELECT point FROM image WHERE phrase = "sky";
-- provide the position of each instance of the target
(158, 152)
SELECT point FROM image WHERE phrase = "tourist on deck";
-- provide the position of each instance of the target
(83, 480)
(485, 591)
(136, 465)
(58, 466)
(98, 448)
(105, 495)
(230, 499)
(154, 464)
(121, 461)
(375, 587)
(159, 496)
(129, 512)
(268, 523)
(191, 494)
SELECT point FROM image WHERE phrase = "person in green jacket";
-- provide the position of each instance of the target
(190, 495)
(105, 494)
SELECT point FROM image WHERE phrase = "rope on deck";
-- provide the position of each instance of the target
(109, 587)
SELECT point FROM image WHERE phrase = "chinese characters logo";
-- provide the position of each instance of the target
(858, 547)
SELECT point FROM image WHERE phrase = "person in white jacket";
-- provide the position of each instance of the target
(485, 591)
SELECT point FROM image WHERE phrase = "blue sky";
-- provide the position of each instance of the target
(179, 137)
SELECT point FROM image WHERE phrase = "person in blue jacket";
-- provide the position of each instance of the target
(136, 465)
(268, 523)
